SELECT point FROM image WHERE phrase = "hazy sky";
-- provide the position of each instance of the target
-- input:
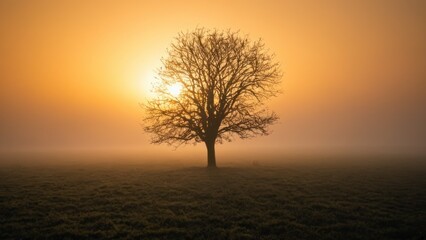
(72, 73)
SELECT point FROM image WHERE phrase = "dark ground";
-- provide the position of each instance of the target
(294, 201)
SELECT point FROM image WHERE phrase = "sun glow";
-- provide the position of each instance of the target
(175, 89)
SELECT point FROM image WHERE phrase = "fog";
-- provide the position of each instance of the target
(73, 74)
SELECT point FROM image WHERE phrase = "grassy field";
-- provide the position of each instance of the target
(293, 201)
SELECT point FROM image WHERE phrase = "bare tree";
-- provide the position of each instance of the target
(213, 85)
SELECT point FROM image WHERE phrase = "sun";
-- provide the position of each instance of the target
(175, 89)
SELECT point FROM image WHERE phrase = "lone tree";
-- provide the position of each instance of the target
(213, 85)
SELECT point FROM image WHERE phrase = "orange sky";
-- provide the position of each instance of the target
(73, 73)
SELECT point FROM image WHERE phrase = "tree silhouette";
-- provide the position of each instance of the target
(224, 80)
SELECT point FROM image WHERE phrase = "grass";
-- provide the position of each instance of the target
(311, 201)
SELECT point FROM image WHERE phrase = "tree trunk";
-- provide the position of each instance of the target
(211, 156)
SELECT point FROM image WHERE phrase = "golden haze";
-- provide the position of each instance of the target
(74, 72)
